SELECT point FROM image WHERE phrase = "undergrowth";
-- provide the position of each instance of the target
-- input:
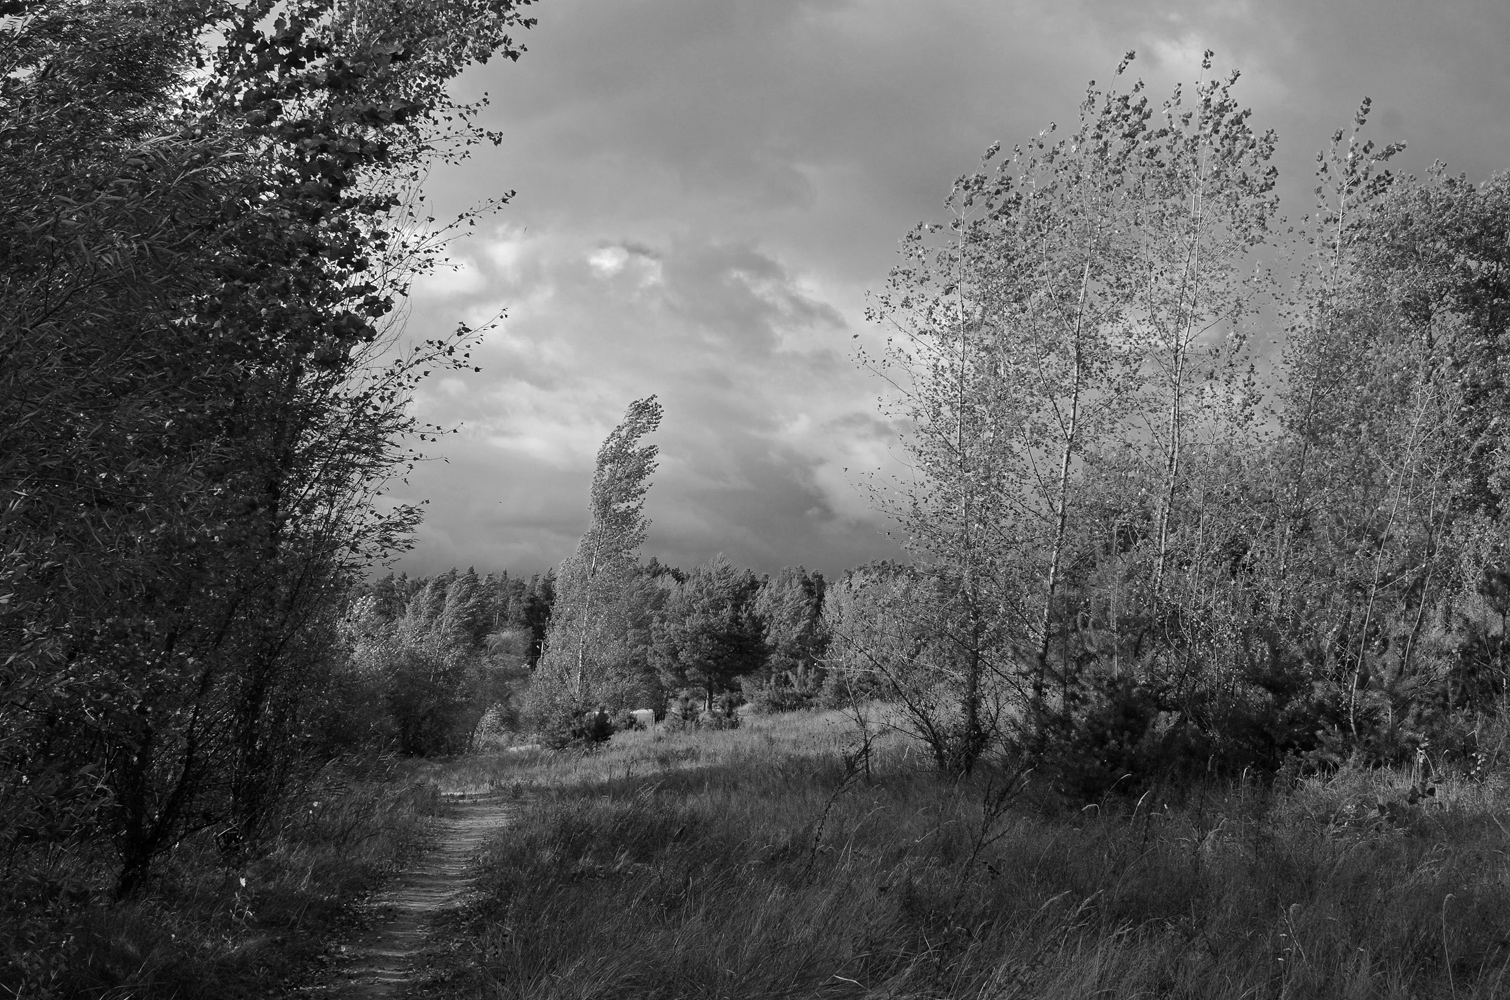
(762, 862)
(217, 920)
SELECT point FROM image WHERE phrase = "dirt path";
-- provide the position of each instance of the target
(381, 962)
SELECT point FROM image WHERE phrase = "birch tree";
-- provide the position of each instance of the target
(1391, 533)
(1204, 193)
(580, 667)
(1069, 308)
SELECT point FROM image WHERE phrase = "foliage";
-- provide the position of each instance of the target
(583, 730)
(708, 634)
(207, 222)
(785, 690)
(894, 634)
(600, 595)
(208, 925)
(427, 674)
(789, 607)
(1138, 558)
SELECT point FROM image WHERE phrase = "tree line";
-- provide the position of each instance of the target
(451, 657)
(570, 654)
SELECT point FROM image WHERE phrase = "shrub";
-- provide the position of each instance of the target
(434, 700)
(575, 728)
(784, 690)
(623, 721)
(724, 714)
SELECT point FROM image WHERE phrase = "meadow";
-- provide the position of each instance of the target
(798, 856)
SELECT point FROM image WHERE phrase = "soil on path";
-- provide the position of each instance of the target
(381, 962)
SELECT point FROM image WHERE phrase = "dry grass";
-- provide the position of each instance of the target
(755, 863)
(210, 926)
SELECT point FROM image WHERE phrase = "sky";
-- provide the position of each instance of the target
(707, 190)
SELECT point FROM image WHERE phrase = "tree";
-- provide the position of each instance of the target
(434, 679)
(708, 635)
(206, 228)
(539, 601)
(1389, 530)
(1071, 303)
(586, 647)
(890, 639)
(789, 607)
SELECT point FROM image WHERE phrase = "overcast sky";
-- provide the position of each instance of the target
(707, 189)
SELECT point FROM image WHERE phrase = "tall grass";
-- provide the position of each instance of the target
(761, 863)
(213, 923)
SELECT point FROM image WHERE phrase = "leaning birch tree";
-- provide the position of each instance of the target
(580, 667)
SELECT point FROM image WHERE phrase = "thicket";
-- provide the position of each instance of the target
(434, 663)
(208, 211)
(1134, 556)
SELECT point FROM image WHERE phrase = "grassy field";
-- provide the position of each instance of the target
(766, 862)
(209, 926)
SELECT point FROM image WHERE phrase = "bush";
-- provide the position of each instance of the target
(686, 714)
(495, 729)
(623, 721)
(842, 688)
(434, 701)
(784, 690)
(576, 728)
(355, 715)
(683, 713)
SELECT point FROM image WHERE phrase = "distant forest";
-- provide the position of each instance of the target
(453, 648)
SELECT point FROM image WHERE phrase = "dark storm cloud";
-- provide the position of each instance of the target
(707, 190)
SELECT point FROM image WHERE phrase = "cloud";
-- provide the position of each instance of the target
(747, 357)
(708, 190)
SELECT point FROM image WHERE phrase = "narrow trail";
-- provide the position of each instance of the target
(381, 961)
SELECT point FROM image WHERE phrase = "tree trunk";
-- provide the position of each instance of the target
(1190, 285)
(1061, 501)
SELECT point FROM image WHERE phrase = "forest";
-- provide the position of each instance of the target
(1202, 623)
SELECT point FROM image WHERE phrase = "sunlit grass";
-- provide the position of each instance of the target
(756, 863)
(632, 754)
